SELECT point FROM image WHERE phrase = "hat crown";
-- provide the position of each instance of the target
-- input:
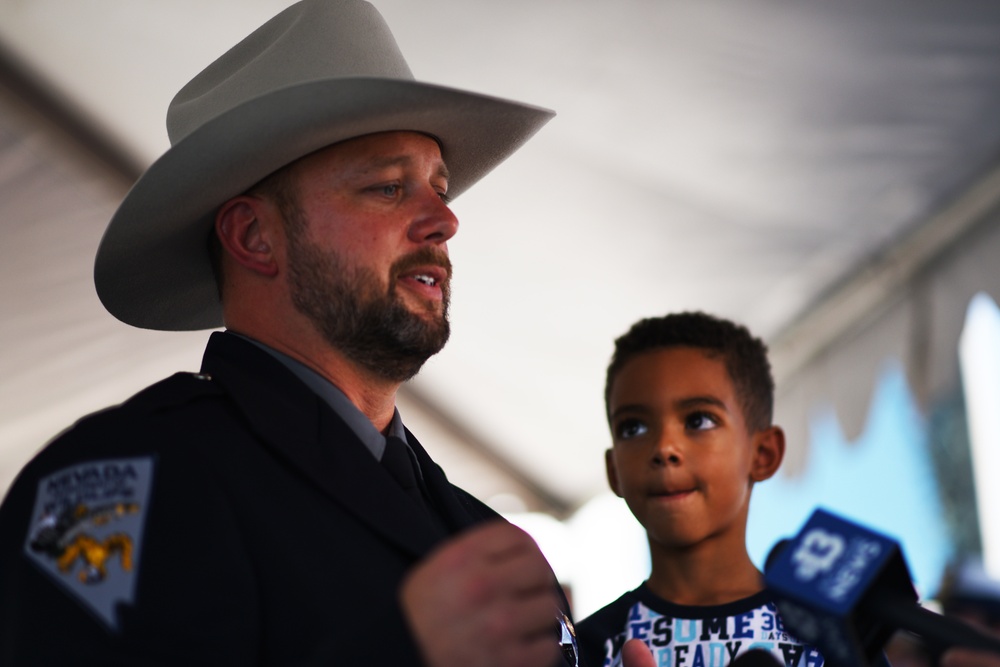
(309, 41)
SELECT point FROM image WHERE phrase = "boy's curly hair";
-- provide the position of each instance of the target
(744, 356)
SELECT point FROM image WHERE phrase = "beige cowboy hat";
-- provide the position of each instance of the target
(320, 72)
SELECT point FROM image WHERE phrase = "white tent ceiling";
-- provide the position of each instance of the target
(745, 157)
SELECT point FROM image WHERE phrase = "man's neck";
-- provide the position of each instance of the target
(374, 396)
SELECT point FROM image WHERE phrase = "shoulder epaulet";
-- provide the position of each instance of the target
(178, 389)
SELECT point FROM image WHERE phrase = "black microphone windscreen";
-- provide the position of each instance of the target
(757, 657)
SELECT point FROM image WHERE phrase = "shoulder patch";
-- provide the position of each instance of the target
(86, 531)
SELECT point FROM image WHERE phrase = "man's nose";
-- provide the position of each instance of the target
(435, 222)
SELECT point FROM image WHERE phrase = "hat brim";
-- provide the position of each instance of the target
(153, 269)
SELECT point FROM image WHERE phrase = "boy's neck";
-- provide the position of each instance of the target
(696, 576)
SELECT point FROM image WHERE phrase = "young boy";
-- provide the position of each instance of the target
(689, 401)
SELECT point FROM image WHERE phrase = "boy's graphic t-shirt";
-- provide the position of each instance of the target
(684, 636)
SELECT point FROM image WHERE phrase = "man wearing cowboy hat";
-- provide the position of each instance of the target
(272, 508)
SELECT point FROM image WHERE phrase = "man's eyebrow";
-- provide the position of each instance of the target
(402, 160)
(443, 172)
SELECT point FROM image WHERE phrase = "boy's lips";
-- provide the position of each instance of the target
(671, 494)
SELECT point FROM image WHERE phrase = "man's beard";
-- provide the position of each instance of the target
(372, 327)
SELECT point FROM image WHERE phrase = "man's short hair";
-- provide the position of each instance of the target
(744, 356)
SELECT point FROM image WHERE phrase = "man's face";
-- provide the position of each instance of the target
(367, 256)
(681, 454)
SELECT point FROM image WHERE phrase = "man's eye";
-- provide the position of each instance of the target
(389, 189)
(700, 421)
(630, 428)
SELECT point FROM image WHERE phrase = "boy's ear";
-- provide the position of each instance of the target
(612, 470)
(768, 452)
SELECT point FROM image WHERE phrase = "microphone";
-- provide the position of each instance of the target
(846, 589)
(756, 657)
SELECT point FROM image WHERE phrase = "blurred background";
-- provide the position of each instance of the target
(825, 173)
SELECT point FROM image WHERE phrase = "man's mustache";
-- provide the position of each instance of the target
(426, 256)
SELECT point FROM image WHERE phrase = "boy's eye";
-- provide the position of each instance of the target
(629, 428)
(700, 421)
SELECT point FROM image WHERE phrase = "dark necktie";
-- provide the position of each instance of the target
(399, 462)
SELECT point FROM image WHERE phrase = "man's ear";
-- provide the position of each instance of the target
(768, 452)
(612, 470)
(244, 237)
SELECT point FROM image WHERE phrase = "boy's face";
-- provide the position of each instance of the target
(682, 457)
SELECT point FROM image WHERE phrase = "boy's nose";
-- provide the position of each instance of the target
(667, 451)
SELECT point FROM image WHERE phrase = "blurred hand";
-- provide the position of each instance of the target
(635, 653)
(485, 598)
(963, 657)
